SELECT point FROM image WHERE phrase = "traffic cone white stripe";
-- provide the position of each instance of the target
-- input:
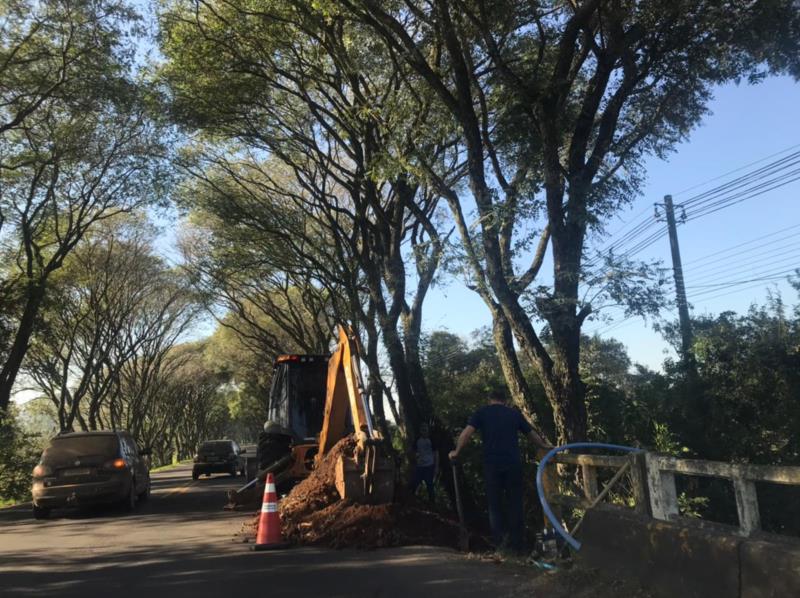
(269, 488)
(269, 507)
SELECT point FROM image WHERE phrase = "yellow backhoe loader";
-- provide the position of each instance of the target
(302, 428)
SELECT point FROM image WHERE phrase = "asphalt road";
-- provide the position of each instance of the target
(181, 543)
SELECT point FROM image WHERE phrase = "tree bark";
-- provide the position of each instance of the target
(22, 337)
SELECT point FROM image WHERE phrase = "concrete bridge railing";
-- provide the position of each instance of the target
(661, 471)
(648, 539)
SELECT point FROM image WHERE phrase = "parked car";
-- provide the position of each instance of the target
(83, 468)
(217, 456)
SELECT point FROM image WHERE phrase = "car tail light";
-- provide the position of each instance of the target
(41, 471)
(116, 464)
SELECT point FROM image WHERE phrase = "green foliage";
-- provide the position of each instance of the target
(664, 441)
(19, 452)
(692, 506)
(77, 147)
(743, 405)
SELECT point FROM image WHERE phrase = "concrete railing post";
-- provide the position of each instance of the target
(663, 495)
(746, 503)
(639, 484)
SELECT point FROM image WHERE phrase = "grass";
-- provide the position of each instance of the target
(9, 502)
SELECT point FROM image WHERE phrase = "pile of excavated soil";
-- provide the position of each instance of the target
(318, 490)
(345, 524)
(314, 514)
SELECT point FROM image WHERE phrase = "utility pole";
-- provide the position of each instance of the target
(680, 288)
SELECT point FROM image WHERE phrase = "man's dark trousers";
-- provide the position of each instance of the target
(504, 484)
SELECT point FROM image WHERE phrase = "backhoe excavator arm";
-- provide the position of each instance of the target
(369, 476)
(344, 391)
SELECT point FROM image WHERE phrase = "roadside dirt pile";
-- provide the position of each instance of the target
(318, 490)
(313, 514)
(344, 524)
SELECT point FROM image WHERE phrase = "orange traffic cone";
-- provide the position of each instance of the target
(269, 524)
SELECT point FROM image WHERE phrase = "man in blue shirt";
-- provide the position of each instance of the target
(499, 426)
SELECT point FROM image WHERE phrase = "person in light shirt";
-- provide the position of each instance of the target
(427, 462)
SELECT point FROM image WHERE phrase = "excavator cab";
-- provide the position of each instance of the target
(297, 395)
(295, 411)
(317, 400)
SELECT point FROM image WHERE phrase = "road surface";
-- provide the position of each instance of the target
(181, 543)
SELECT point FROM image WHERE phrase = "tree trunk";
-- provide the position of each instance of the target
(512, 371)
(412, 414)
(411, 329)
(569, 396)
(19, 347)
(375, 383)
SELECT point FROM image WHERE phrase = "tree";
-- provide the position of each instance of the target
(77, 146)
(272, 305)
(56, 52)
(313, 98)
(113, 304)
(18, 455)
(172, 400)
(747, 367)
(557, 104)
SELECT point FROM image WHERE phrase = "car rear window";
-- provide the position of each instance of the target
(219, 447)
(81, 446)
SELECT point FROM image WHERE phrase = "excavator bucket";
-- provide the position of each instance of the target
(367, 478)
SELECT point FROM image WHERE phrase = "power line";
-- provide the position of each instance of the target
(768, 276)
(727, 293)
(745, 180)
(628, 237)
(751, 263)
(739, 169)
(744, 196)
(778, 173)
(745, 243)
(747, 186)
(645, 243)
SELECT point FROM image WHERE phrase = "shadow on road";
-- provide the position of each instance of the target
(199, 571)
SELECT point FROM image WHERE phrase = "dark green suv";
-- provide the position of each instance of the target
(217, 456)
(83, 468)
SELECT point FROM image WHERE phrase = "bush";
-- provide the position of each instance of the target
(19, 453)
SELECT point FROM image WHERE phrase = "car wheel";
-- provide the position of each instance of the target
(232, 472)
(40, 512)
(195, 475)
(145, 493)
(130, 502)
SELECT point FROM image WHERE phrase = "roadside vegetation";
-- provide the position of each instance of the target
(324, 162)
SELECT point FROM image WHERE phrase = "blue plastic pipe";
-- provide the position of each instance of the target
(540, 487)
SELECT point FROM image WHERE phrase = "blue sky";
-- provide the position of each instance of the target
(746, 124)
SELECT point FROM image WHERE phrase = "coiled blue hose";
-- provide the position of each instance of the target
(540, 487)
